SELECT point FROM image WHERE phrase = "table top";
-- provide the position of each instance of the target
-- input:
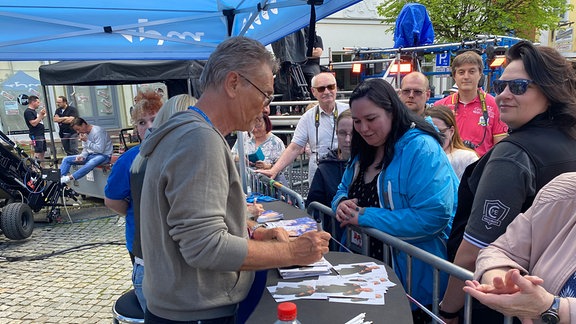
(396, 309)
(289, 211)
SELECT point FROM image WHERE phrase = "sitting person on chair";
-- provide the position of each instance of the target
(96, 149)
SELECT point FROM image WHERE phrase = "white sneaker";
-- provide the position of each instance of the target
(65, 179)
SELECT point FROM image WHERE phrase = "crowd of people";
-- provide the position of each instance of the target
(484, 182)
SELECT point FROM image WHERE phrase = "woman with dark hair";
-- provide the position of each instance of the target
(459, 155)
(332, 166)
(399, 180)
(262, 140)
(536, 95)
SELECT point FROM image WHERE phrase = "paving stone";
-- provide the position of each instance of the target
(66, 282)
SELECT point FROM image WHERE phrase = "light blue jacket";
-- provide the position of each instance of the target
(418, 196)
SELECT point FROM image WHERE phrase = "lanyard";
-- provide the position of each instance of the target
(484, 122)
(482, 96)
(317, 124)
(201, 114)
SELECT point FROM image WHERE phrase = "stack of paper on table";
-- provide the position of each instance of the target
(358, 283)
(269, 216)
(294, 227)
(321, 267)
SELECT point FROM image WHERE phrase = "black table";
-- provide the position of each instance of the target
(396, 310)
(289, 211)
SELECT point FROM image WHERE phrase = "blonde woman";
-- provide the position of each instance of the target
(459, 155)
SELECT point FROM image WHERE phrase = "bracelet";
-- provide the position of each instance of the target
(252, 230)
(448, 315)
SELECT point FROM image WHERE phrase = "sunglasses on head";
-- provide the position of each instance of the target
(323, 88)
(517, 86)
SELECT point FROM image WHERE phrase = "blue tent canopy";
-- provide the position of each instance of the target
(20, 82)
(57, 30)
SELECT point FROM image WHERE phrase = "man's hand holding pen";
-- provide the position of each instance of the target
(310, 247)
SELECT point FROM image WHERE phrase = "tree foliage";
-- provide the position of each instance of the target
(459, 20)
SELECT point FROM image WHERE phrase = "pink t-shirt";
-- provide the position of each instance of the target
(470, 120)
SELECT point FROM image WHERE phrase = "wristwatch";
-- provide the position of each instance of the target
(447, 315)
(551, 315)
(254, 228)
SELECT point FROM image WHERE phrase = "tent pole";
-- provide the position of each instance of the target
(50, 126)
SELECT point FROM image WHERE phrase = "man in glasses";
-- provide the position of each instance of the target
(415, 91)
(477, 115)
(317, 127)
(200, 251)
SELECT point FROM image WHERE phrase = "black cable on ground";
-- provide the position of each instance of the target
(54, 253)
(90, 219)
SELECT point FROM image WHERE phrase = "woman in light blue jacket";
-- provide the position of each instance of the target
(400, 180)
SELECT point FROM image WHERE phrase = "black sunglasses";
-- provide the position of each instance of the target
(323, 88)
(517, 86)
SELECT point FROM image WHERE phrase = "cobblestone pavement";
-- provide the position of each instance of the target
(65, 273)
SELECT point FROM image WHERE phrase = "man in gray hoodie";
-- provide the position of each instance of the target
(200, 253)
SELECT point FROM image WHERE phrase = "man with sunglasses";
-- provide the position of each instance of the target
(477, 115)
(415, 91)
(317, 127)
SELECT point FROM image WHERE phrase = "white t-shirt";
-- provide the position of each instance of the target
(460, 159)
(305, 133)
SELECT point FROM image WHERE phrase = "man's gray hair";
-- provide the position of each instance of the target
(240, 54)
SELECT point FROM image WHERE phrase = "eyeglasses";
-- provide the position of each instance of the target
(443, 130)
(417, 92)
(323, 88)
(517, 87)
(344, 134)
(267, 98)
(259, 122)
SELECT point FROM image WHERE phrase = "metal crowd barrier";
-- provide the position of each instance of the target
(262, 184)
(284, 126)
(297, 172)
(379, 245)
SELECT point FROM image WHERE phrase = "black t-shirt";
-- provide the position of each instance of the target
(68, 112)
(31, 114)
(505, 183)
(317, 44)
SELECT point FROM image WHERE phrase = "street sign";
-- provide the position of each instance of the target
(443, 59)
(442, 63)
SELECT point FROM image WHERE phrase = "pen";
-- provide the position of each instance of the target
(358, 319)
(319, 225)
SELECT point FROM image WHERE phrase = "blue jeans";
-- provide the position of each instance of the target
(137, 279)
(248, 305)
(93, 160)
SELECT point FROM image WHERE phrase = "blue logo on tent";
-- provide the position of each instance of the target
(20, 82)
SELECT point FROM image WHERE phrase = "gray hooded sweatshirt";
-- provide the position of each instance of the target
(193, 222)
